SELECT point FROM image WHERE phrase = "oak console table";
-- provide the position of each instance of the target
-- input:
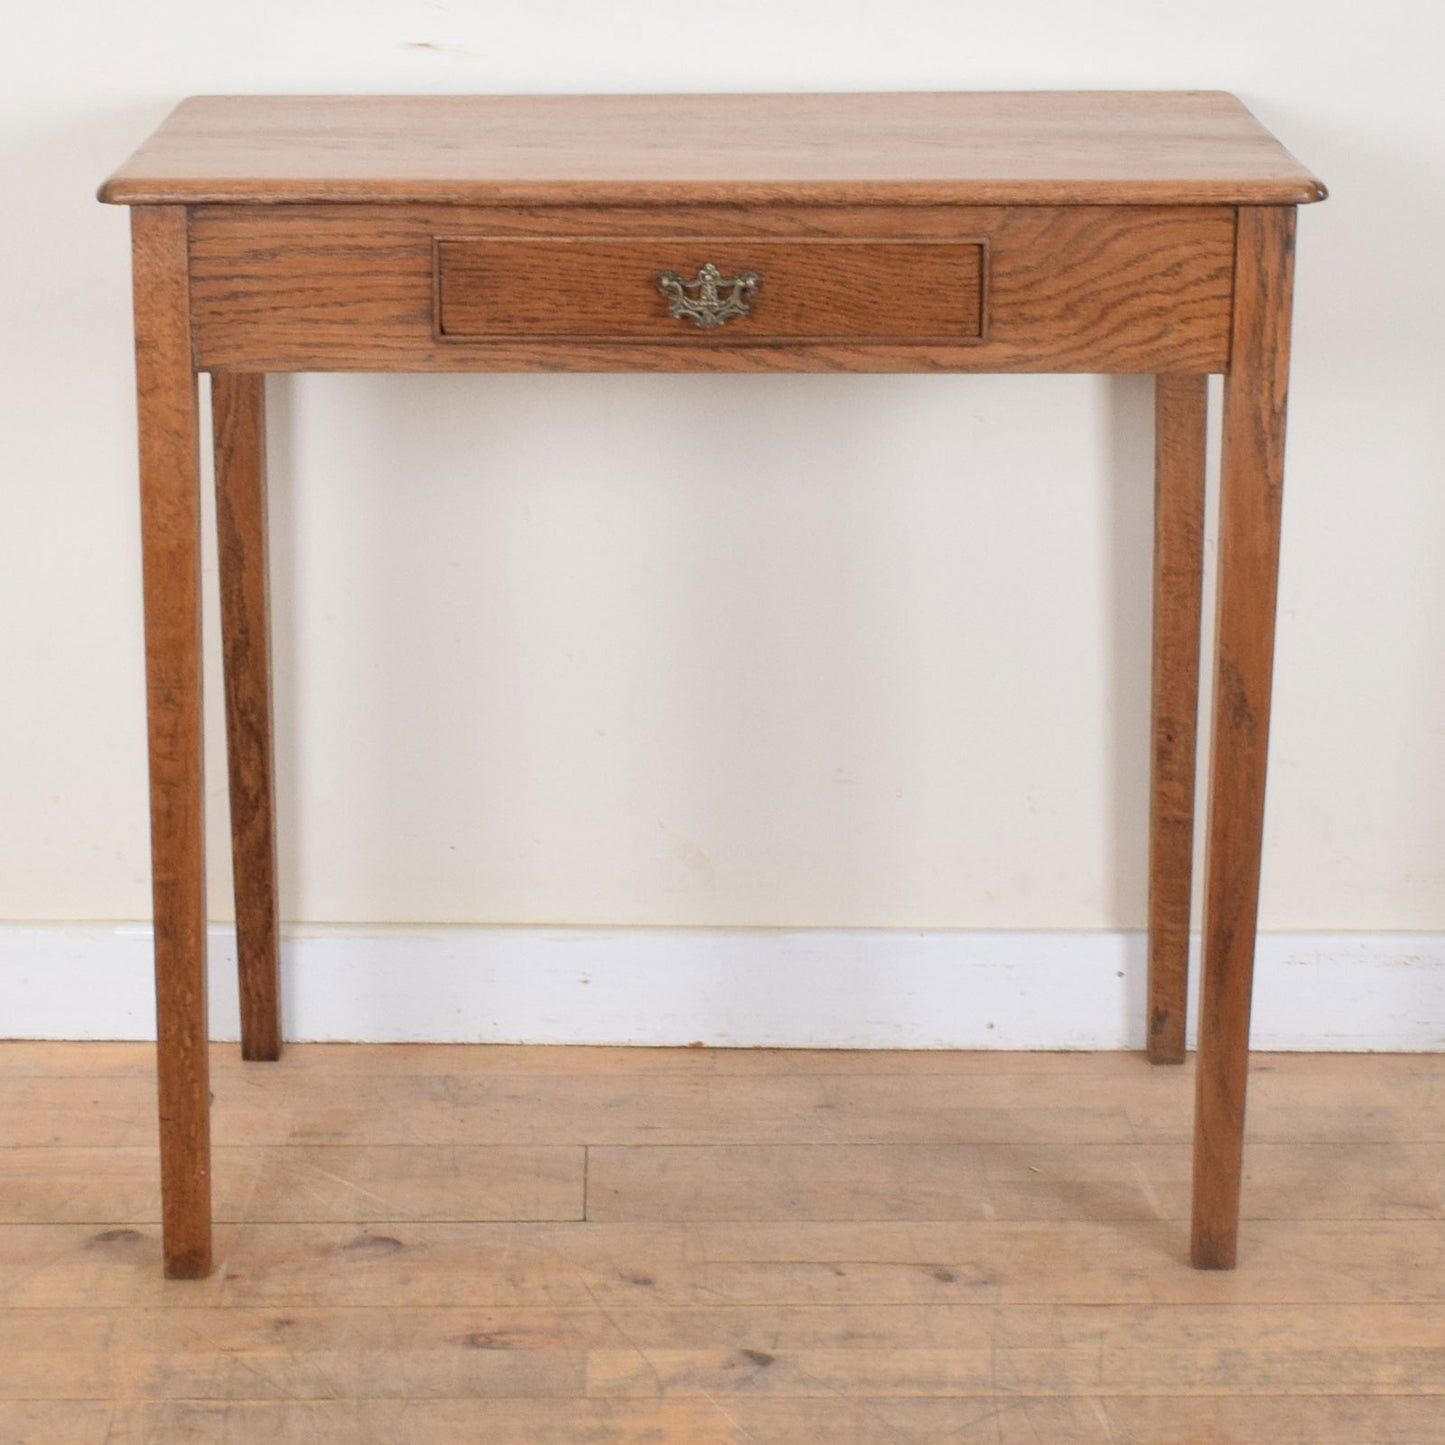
(1137, 232)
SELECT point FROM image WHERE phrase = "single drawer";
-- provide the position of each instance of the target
(690, 291)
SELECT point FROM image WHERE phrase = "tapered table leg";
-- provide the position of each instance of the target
(1253, 471)
(1181, 406)
(171, 543)
(238, 410)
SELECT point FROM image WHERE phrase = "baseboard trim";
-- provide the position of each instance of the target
(808, 988)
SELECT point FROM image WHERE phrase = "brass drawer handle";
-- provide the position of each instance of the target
(711, 307)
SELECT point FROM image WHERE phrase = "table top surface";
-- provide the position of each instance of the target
(971, 148)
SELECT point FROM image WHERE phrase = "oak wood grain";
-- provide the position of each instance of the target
(1181, 414)
(344, 288)
(1039, 148)
(1255, 393)
(812, 289)
(238, 412)
(171, 559)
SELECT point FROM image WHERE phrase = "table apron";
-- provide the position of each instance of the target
(343, 287)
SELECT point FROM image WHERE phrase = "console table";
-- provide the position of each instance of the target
(1134, 232)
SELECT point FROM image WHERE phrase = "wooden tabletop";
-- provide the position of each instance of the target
(1006, 148)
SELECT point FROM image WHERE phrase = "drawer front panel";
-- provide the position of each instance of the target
(453, 288)
(607, 289)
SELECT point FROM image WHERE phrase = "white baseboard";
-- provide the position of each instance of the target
(797, 988)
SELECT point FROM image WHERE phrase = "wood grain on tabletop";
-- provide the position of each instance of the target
(1148, 147)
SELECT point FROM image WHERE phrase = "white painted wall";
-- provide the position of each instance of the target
(542, 656)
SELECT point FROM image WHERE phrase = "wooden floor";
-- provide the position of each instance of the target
(425, 1244)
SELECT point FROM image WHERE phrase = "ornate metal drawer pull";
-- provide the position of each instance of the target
(718, 298)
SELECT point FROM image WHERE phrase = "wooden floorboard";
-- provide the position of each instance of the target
(640, 1247)
(1098, 1420)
